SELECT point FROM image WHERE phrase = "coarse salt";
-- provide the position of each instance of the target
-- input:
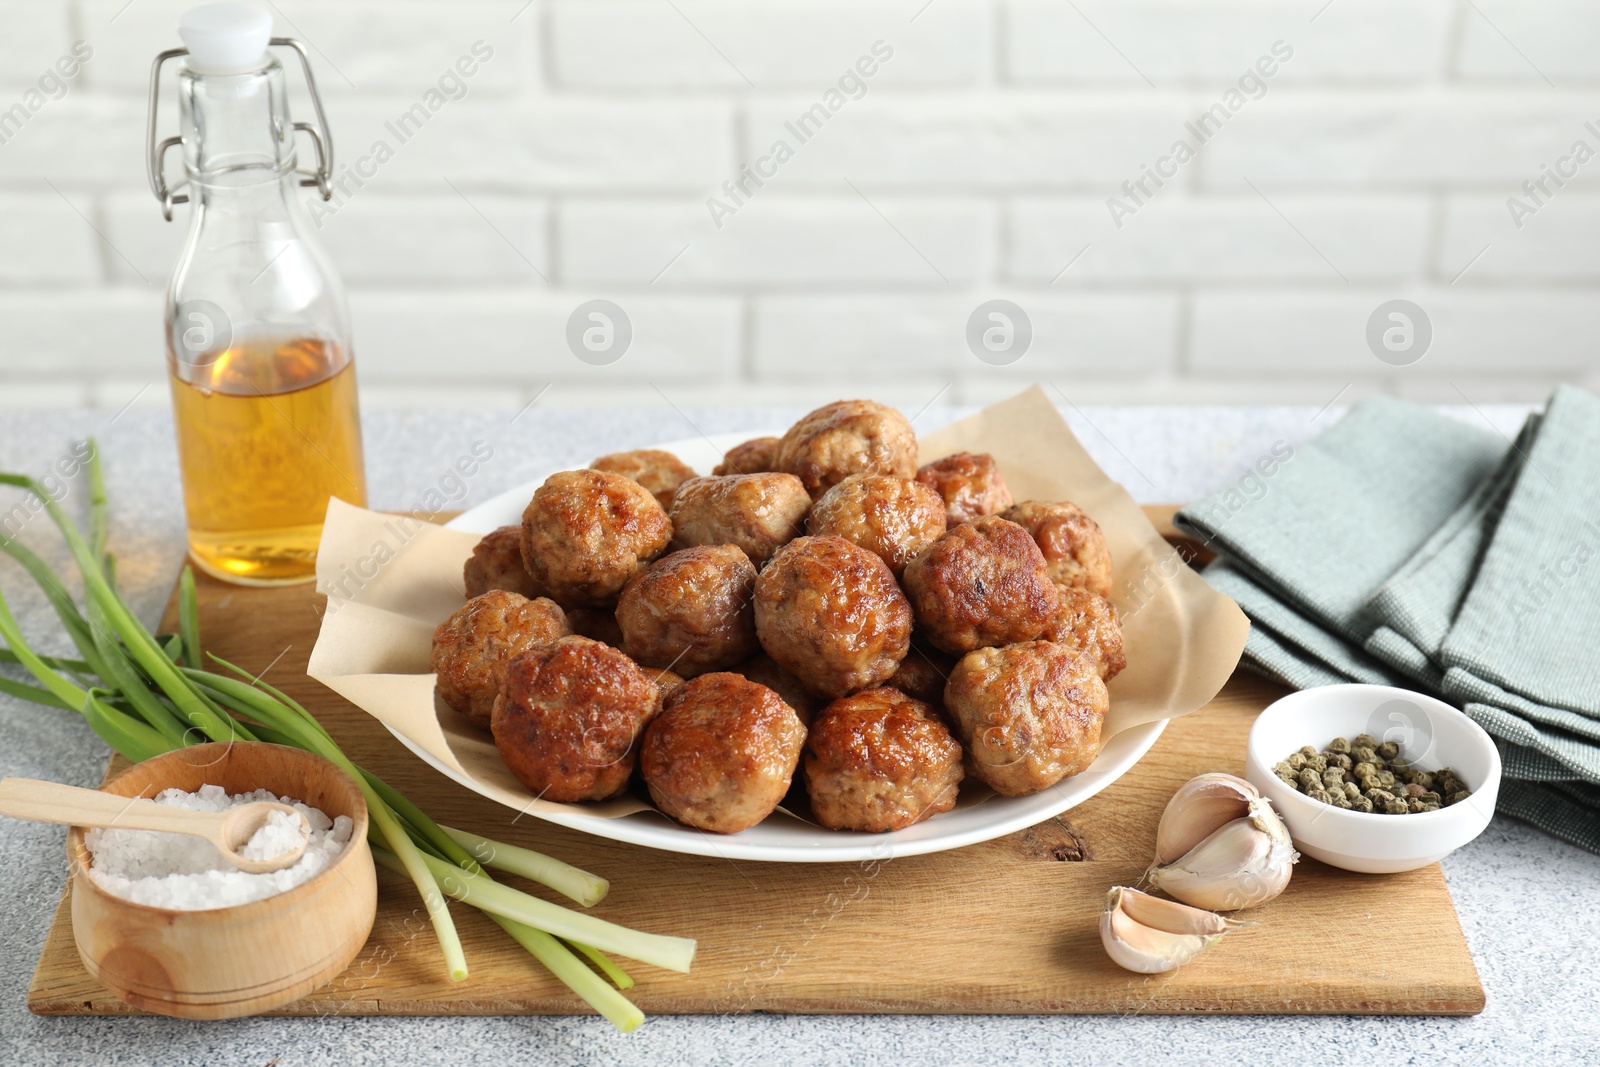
(187, 873)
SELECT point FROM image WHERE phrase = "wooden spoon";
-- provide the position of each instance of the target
(28, 798)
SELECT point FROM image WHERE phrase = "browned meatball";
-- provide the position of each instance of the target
(844, 438)
(982, 583)
(893, 518)
(969, 483)
(496, 563)
(597, 624)
(1073, 546)
(569, 718)
(879, 761)
(1030, 714)
(923, 674)
(691, 611)
(755, 456)
(761, 668)
(658, 471)
(472, 647)
(757, 512)
(586, 532)
(1087, 622)
(831, 614)
(666, 681)
(722, 753)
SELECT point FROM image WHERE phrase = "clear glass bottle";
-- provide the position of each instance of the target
(257, 327)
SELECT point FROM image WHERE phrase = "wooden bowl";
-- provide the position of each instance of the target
(227, 962)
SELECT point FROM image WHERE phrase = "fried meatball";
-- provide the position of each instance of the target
(586, 532)
(830, 613)
(982, 583)
(472, 647)
(665, 680)
(722, 753)
(755, 456)
(879, 760)
(893, 518)
(969, 483)
(844, 438)
(496, 563)
(691, 611)
(756, 512)
(761, 668)
(923, 674)
(1073, 546)
(569, 718)
(658, 471)
(1029, 714)
(1087, 622)
(597, 624)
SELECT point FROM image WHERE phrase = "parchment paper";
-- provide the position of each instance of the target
(390, 580)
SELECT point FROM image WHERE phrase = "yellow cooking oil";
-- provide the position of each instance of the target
(267, 432)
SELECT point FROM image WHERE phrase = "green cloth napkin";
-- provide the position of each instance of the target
(1407, 548)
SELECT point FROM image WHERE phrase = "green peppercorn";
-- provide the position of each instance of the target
(1416, 777)
(1367, 776)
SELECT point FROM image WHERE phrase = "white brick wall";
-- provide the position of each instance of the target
(970, 159)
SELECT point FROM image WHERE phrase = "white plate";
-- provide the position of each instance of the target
(790, 840)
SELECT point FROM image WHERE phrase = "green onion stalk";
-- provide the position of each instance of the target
(145, 695)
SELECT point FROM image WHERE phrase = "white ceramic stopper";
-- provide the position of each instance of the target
(225, 38)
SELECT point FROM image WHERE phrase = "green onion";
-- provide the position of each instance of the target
(585, 888)
(618, 976)
(485, 894)
(188, 620)
(146, 694)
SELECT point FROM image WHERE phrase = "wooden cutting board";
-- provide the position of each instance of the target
(1009, 926)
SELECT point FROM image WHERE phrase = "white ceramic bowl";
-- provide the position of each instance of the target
(1430, 733)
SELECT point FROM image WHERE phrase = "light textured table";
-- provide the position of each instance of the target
(1529, 905)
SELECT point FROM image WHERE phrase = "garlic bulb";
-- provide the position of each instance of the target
(1151, 935)
(1221, 846)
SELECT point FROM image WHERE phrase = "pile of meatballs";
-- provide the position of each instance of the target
(818, 604)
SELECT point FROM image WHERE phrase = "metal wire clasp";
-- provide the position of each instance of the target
(156, 151)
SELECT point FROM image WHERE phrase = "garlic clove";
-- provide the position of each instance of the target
(1198, 807)
(1150, 935)
(1241, 864)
